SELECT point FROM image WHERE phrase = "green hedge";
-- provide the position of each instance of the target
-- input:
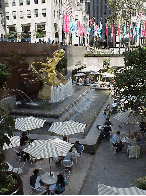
(103, 55)
(141, 183)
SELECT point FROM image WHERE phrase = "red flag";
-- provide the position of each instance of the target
(119, 28)
(112, 33)
(64, 22)
(91, 22)
(107, 28)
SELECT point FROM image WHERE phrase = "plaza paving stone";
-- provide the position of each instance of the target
(105, 167)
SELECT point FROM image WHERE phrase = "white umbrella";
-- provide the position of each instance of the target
(90, 68)
(28, 123)
(14, 141)
(79, 74)
(48, 148)
(67, 127)
(107, 75)
(128, 118)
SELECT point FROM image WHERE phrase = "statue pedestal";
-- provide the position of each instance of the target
(45, 92)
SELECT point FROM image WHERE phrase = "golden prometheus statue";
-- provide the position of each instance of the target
(47, 73)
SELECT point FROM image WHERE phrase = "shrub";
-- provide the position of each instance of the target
(141, 183)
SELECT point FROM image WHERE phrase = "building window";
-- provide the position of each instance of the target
(20, 2)
(54, 13)
(27, 2)
(44, 12)
(134, 12)
(7, 15)
(13, 3)
(21, 14)
(14, 14)
(0, 4)
(6, 3)
(43, 1)
(36, 12)
(28, 14)
(36, 1)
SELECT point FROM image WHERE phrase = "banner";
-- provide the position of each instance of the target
(67, 25)
(107, 28)
(64, 22)
(112, 33)
(119, 28)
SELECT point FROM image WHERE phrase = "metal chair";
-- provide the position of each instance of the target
(67, 164)
(39, 191)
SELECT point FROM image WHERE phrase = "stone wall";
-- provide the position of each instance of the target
(98, 61)
(10, 100)
(73, 54)
(27, 49)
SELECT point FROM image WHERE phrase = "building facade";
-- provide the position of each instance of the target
(35, 19)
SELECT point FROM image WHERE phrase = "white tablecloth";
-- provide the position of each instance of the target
(47, 179)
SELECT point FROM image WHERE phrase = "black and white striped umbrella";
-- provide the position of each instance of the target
(67, 127)
(127, 117)
(14, 141)
(48, 148)
(28, 123)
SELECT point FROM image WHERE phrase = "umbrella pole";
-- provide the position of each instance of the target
(129, 130)
(50, 165)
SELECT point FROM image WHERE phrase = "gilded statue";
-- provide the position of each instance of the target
(47, 73)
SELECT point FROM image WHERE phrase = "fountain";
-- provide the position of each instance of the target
(54, 86)
(61, 92)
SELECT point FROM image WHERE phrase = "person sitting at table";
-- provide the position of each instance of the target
(35, 179)
(23, 139)
(78, 147)
(69, 155)
(107, 122)
(116, 141)
(139, 139)
(59, 187)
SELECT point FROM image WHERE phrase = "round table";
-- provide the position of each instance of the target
(47, 179)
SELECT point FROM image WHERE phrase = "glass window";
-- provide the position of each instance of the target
(28, 14)
(6, 3)
(43, 1)
(54, 13)
(13, 3)
(0, 4)
(134, 12)
(27, 2)
(36, 12)
(7, 15)
(20, 2)
(14, 14)
(21, 14)
(36, 1)
(44, 12)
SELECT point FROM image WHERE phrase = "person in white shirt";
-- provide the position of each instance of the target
(116, 141)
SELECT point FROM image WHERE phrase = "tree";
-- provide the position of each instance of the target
(6, 125)
(4, 74)
(130, 82)
(122, 10)
(62, 64)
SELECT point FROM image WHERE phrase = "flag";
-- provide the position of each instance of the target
(112, 33)
(88, 29)
(69, 9)
(124, 32)
(91, 22)
(67, 25)
(144, 29)
(64, 22)
(107, 28)
(119, 28)
(97, 32)
(72, 26)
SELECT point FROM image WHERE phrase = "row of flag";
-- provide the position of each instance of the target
(70, 26)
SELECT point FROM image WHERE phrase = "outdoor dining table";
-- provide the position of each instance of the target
(48, 179)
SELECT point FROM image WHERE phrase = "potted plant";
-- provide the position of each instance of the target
(9, 181)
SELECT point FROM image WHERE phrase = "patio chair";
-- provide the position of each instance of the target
(19, 169)
(39, 191)
(67, 164)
